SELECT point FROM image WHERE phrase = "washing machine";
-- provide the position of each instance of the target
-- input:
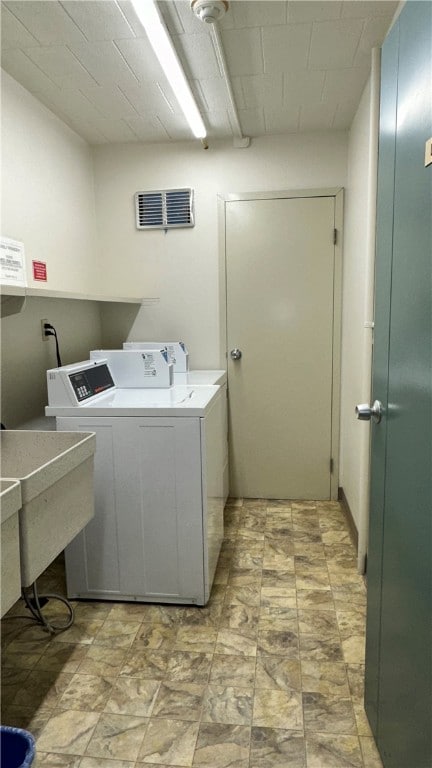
(159, 486)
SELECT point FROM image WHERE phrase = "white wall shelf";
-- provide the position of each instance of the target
(12, 298)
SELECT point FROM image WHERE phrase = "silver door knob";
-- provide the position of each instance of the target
(365, 412)
(236, 354)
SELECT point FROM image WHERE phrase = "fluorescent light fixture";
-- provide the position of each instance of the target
(150, 18)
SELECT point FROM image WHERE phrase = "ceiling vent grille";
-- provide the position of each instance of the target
(164, 209)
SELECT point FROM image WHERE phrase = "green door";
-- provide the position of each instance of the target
(398, 695)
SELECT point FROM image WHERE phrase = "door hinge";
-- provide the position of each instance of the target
(334, 236)
(331, 466)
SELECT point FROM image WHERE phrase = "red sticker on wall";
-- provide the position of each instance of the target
(39, 270)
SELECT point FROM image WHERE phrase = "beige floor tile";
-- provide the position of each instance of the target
(328, 714)
(240, 617)
(42, 689)
(64, 657)
(117, 737)
(82, 631)
(102, 661)
(278, 643)
(277, 748)
(132, 696)
(313, 579)
(101, 762)
(326, 677)
(248, 595)
(316, 648)
(236, 642)
(333, 751)
(189, 667)
(170, 742)
(117, 634)
(88, 693)
(278, 709)
(353, 648)
(227, 704)
(371, 756)
(319, 599)
(147, 665)
(127, 612)
(222, 746)
(196, 639)
(278, 673)
(179, 701)
(68, 732)
(157, 638)
(235, 670)
(52, 760)
(350, 623)
(355, 673)
(321, 623)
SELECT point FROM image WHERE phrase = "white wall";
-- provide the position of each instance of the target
(355, 385)
(47, 192)
(182, 266)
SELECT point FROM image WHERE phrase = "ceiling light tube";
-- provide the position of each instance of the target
(150, 18)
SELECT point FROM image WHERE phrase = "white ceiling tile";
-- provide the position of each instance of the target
(197, 55)
(110, 101)
(13, 33)
(252, 122)
(354, 9)
(177, 127)
(249, 13)
(179, 18)
(129, 13)
(286, 48)
(262, 90)
(98, 20)
(343, 84)
(48, 22)
(19, 66)
(303, 86)
(282, 120)
(148, 130)
(104, 62)
(315, 117)
(218, 124)
(72, 102)
(140, 57)
(345, 113)
(373, 35)
(148, 98)
(243, 51)
(115, 130)
(59, 63)
(334, 43)
(299, 10)
(213, 93)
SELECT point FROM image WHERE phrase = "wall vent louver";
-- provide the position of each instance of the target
(164, 209)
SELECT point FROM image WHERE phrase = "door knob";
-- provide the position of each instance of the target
(236, 354)
(365, 412)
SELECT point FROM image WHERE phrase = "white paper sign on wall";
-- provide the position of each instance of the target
(12, 262)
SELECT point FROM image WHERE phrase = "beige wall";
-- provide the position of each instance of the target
(181, 267)
(47, 191)
(355, 379)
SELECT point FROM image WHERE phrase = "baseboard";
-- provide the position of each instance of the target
(349, 518)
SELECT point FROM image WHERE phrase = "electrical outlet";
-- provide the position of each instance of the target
(44, 338)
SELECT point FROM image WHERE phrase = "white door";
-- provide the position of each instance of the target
(280, 262)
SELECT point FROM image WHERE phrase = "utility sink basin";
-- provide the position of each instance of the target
(10, 504)
(55, 470)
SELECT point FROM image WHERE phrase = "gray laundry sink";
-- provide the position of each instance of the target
(10, 504)
(55, 470)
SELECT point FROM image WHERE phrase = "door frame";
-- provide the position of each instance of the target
(338, 194)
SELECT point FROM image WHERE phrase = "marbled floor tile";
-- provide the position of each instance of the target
(248, 595)
(179, 701)
(82, 631)
(333, 751)
(170, 742)
(313, 579)
(189, 667)
(274, 504)
(52, 760)
(64, 657)
(316, 648)
(248, 534)
(227, 704)
(156, 638)
(127, 612)
(132, 696)
(371, 756)
(102, 762)
(242, 577)
(277, 607)
(346, 599)
(335, 537)
(246, 560)
(117, 634)
(222, 746)
(147, 665)
(277, 748)
(322, 623)
(21, 659)
(239, 617)
(309, 562)
(33, 720)
(237, 642)
(253, 503)
(42, 689)
(278, 643)
(91, 610)
(278, 709)
(350, 623)
(276, 546)
(355, 674)
(327, 677)
(89, 693)
(363, 727)
(254, 522)
(315, 599)
(68, 732)
(328, 714)
(118, 737)
(353, 649)
(167, 615)
(196, 639)
(278, 672)
(102, 661)
(236, 670)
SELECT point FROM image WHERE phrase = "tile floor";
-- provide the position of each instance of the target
(268, 675)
